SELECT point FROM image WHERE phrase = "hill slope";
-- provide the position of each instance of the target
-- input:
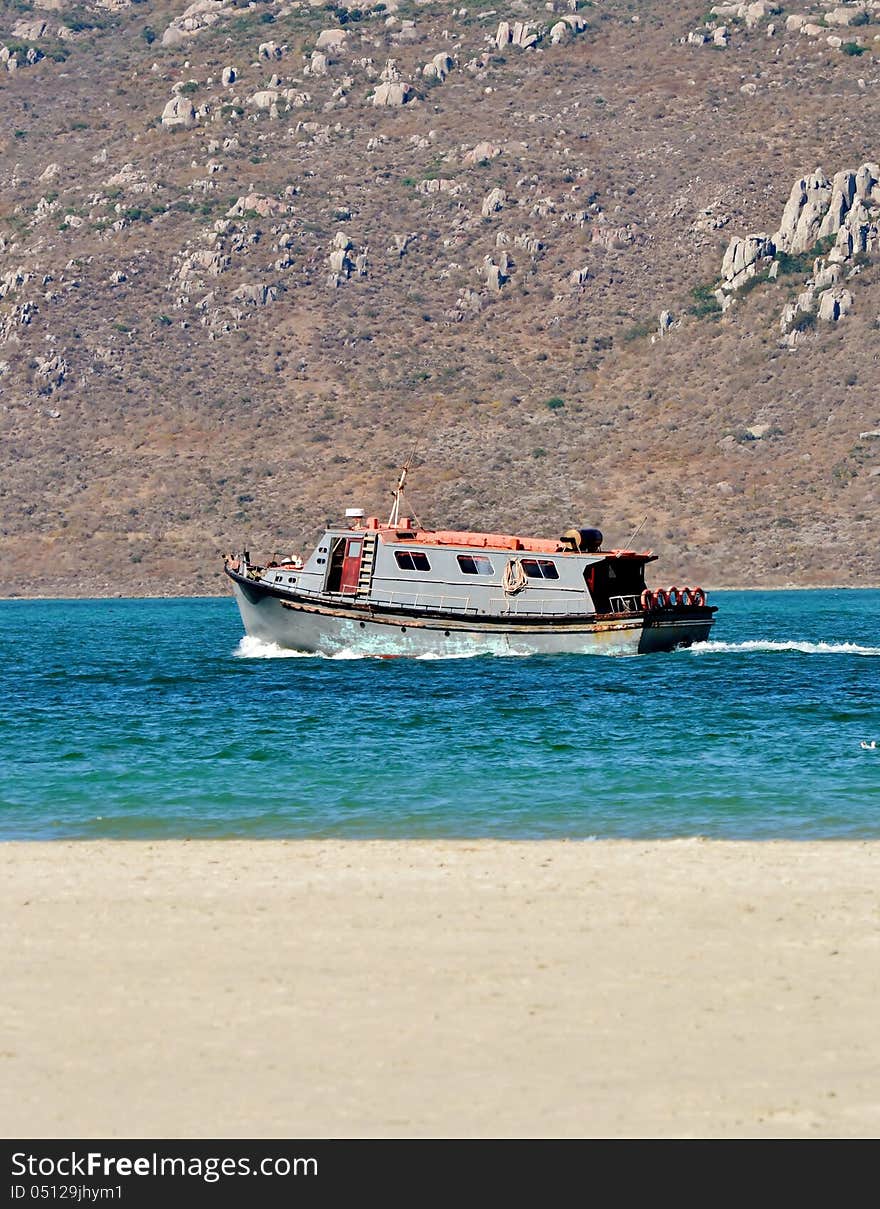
(224, 327)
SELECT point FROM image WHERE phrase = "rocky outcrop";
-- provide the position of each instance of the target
(179, 113)
(843, 212)
(343, 261)
(804, 213)
(255, 295)
(49, 374)
(566, 28)
(439, 184)
(199, 16)
(495, 275)
(258, 203)
(332, 40)
(439, 67)
(493, 202)
(393, 93)
(750, 13)
(524, 34)
(11, 59)
(526, 243)
(742, 258)
(30, 31)
(482, 151)
(834, 304)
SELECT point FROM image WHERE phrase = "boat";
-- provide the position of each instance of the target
(399, 589)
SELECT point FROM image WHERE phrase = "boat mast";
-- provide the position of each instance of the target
(398, 496)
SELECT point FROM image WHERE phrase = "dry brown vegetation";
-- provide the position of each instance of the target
(188, 421)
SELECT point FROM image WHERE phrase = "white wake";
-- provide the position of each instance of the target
(761, 646)
(257, 648)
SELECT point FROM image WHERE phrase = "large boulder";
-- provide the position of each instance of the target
(393, 93)
(255, 295)
(30, 31)
(179, 113)
(843, 190)
(439, 67)
(330, 39)
(493, 202)
(804, 213)
(834, 304)
(742, 256)
(482, 151)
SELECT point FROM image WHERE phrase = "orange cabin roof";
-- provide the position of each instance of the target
(406, 531)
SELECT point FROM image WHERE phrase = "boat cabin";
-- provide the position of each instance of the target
(401, 565)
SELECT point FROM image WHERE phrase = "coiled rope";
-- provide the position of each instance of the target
(514, 578)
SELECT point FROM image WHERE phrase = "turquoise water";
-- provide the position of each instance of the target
(142, 719)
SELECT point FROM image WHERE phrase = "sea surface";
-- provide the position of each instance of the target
(151, 719)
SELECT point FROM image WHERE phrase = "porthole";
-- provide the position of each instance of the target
(446, 632)
(362, 624)
(403, 629)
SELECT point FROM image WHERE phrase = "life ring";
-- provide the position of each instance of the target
(675, 596)
(647, 600)
(698, 597)
(661, 598)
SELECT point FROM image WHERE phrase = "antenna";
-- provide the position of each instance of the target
(636, 531)
(397, 493)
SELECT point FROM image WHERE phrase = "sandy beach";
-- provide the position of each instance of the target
(415, 989)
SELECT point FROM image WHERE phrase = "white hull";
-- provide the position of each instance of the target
(332, 628)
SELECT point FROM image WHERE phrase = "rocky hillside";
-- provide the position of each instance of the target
(611, 263)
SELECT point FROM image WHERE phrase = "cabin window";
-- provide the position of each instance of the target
(412, 560)
(540, 568)
(475, 564)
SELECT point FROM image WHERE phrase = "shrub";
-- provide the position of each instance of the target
(704, 302)
(852, 48)
(751, 283)
(148, 35)
(555, 403)
(637, 331)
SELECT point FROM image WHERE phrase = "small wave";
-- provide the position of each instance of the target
(256, 648)
(761, 646)
(431, 656)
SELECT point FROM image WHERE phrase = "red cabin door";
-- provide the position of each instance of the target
(351, 566)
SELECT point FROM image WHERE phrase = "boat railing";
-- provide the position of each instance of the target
(424, 600)
(542, 606)
(625, 604)
(528, 605)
